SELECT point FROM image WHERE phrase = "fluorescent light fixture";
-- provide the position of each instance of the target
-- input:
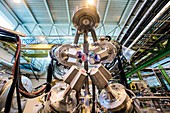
(17, 1)
(90, 2)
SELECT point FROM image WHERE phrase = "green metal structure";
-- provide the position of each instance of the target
(164, 74)
(163, 53)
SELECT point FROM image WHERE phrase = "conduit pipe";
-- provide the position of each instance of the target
(134, 19)
(141, 21)
(165, 8)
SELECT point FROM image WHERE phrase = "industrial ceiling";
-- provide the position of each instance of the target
(53, 18)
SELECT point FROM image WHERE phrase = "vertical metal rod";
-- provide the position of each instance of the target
(86, 50)
(157, 78)
(94, 94)
(138, 72)
(93, 33)
(76, 39)
(164, 74)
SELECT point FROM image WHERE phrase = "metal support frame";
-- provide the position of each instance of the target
(104, 17)
(160, 55)
(58, 35)
(138, 72)
(85, 50)
(166, 76)
(38, 55)
(106, 11)
(68, 15)
(122, 15)
(37, 47)
(51, 18)
(14, 16)
(48, 10)
(113, 30)
(16, 27)
(128, 18)
(32, 16)
(124, 11)
(140, 23)
(137, 14)
(57, 24)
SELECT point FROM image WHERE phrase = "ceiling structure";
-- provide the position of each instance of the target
(53, 18)
(141, 25)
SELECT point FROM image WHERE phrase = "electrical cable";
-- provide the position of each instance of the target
(49, 77)
(14, 82)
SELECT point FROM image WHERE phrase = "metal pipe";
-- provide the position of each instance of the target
(86, 50)
(76, 39)
(165, 8)
(134, 19)
(141, 21)
(93, 33)
(130, 14)
(166, 76)
(160, 55)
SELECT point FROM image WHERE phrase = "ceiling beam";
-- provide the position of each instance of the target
(123, 14)
(124, 11)
(104, 17)
(59, 36)
(106, 11)
(32, 16)
(68, 11)
(49, 11)
(61, 24)
(68, 16)
(45, 24)
(15, 16)
(16, 27)
(51, 17)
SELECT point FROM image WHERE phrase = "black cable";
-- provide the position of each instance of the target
(18, 98)
(123, 79)
(17, 87)
(15, 79)
(49, 77)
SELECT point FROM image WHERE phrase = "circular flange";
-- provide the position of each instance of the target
(86, 18)
(115, 104)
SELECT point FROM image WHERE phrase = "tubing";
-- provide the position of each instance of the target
(141, 21)
(165, 8)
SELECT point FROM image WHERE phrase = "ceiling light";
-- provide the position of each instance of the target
(90, 2)
(17, 1)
